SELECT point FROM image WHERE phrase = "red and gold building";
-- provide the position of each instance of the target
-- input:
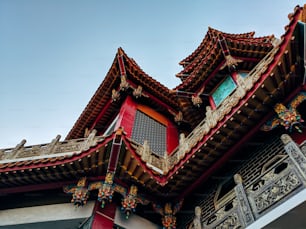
(229, 141)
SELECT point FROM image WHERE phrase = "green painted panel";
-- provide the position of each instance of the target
(224, 90)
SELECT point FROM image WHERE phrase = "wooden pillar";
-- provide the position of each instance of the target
(103, 217)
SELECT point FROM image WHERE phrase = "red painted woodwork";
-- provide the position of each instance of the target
(101, 114)
(217, 69)
(172, 137)
(234, 76)
(153, 98)
(299, 137)
(104, 217)
(212, 102)
(142, 163)
(127, 116)
(114, 155)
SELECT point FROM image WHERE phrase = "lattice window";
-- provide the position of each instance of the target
(147, 128)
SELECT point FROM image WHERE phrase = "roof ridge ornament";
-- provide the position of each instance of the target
(230, 61)
(90, 141)
(196, 99)
(16, 151)
(115, 95)
(52, 145)
(124, 84)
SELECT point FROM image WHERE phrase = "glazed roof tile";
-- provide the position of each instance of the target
(103, 95)
(207, 39)
(205, 54)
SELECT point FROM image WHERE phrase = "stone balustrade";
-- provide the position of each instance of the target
(55, 147)
(274, 186)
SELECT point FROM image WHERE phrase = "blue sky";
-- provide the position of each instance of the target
(54, 53)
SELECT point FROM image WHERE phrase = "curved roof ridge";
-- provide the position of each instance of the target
(211, 31)
(146, 75)
(193, 66)
(104, 92)
(209, 47)
(245, 35)
(91, 105)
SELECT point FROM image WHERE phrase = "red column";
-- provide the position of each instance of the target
(104, 217)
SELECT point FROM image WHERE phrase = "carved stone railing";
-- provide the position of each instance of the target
(54, 148)
(225, 217)
(282, 180)
(273, 187)
(212, 117)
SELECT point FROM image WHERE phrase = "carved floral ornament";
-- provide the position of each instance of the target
(129, 202)
(106, 189)
(106, 192)
(137, 92)
(168, 212)
(124, 85)
(230, 62)
(79, 192)
(287, 116)
(196, 99)
(115, 95)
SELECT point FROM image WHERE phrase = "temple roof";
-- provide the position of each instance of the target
(101, 109)
(207, 39)
(217, 55)
(203, 61)
(276, 78)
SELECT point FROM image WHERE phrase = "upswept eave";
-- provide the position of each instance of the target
(211, 32)
(103, 96)
(100, 98)
(149, 84)
(206, 57)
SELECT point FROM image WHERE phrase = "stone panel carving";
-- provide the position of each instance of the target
(243, 202)
(232, 221)
(303, 148)
(55, 147)
(276, 191)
